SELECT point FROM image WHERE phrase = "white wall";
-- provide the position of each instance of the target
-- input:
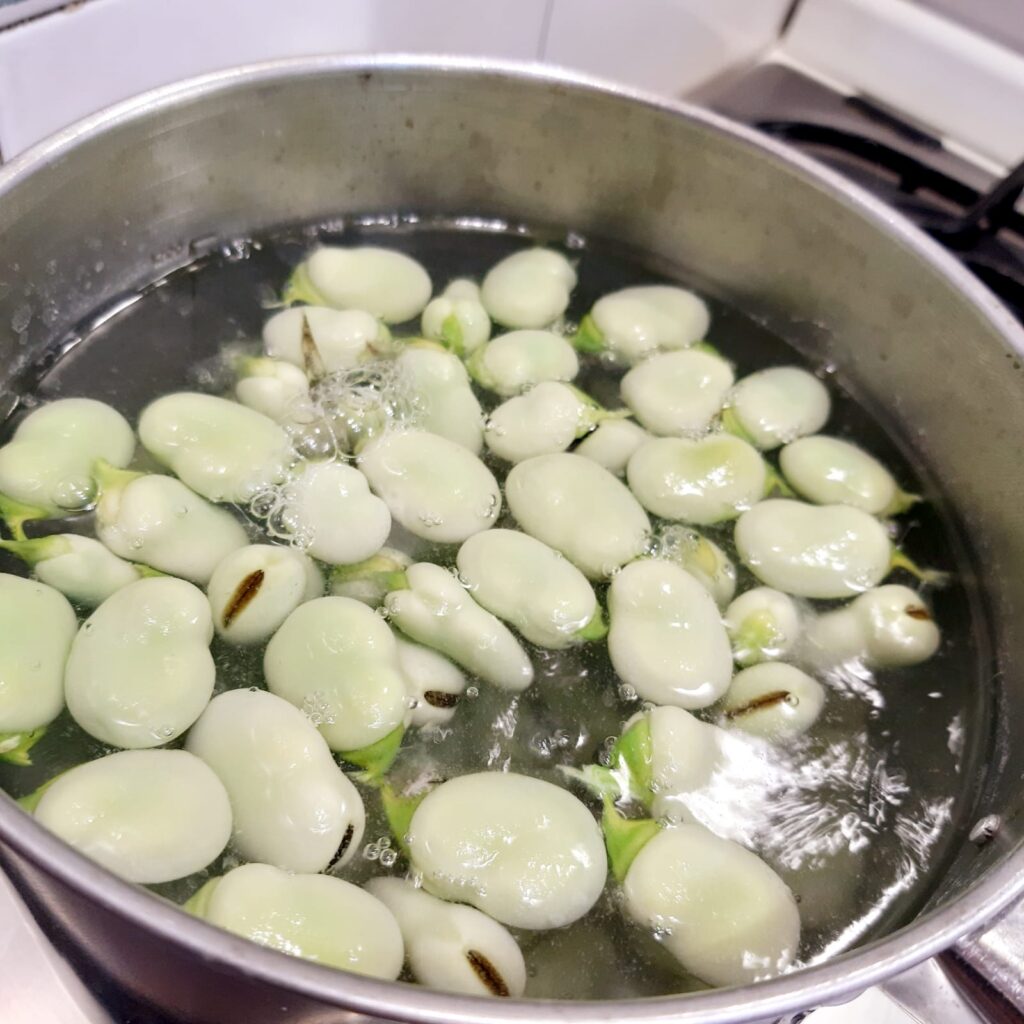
(74, 61)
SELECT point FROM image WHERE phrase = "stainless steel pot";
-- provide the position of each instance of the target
(845, 278)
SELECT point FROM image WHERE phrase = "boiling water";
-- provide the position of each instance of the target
(859, 816)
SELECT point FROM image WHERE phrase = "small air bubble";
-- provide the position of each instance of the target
(627, 693)
(371, 851)
(472, 692)
(388, 858)
(136, 543)
(181, 511)
(167, 731)
(792, 700)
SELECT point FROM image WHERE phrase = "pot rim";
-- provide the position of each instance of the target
(832, 982)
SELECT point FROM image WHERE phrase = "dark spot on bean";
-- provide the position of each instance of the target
(410, 123)
(312, 361)
(487, 973)
(440, 699)
(242, 597)
(916, 611)
(346, 842)
(766, 700)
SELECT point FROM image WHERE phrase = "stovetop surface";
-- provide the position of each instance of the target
(951, 199)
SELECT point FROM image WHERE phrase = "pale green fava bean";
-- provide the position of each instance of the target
(462, 288)
(663, 755)
(702, 482)
(530, 288)
(386, 283)
(829, 471)
(702, 558)
(889, 626)
(316, 917)
(292, 806)
(529, 585)
(634, 322)
(764, 625)
(432, 681)
(546, 419)
(159, 521)
(436, 610)
(678, 393)
(774, 700)
(37, 626)
(718, 909)
(521, 850)
(776, 406)
(337, 659)
(459, 322)
(612, 444)
(818, 551)
(140, 670)
(319, 340)
(48, 462)
(371, 581)
(580, 509)
(452, 947)
(666, 638)
(81, 568)
(331, 507)
(222, 450)
(274, 388)
(434, 487)
(446, 403)
(513, 362)
(149, 816)
(254, 589)
(684, 755)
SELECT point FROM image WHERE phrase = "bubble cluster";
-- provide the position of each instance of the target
(318, 709)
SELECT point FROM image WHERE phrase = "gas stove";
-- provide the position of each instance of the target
(963, 207)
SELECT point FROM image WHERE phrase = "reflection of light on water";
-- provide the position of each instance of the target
(955, 742)
(853, 679)
(799, 811)
(858, 928)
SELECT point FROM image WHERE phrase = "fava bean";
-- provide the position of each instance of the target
(451, 947)
(292, 806)
(388, 284)
(315, 917)
(666, 639)
(530, 288)
(580, 509)
(140, 670)
(254, 589)
(159, 521)
(149, 816)
(776, 406)
(702, 482)
(634, 322)
(222, 450)
(46, 467)
(532, 587)
(337, 660)
(678, 393)
(521, 850)
(514, 362)
(436, 610)
(435, 488)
